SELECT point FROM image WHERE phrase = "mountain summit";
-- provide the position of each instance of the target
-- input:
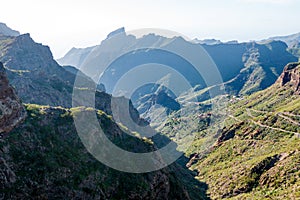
(116, 32)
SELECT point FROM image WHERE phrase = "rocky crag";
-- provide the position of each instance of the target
(11, 109)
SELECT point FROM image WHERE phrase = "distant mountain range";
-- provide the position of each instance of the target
(213, 41)
(293, 42)
(232, 58)
(254, 153)
(290, 40)
(244, 67)
(81, 53)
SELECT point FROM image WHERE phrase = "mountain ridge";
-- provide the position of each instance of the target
(229, 65)
(5, 30)
(256, 152)
(288, 39)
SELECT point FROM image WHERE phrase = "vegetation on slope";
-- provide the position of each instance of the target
(45, 159)
(257, 155)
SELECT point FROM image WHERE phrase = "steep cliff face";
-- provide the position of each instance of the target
(11, 109)
(38, 79)
(12, 114)
(31, 69)
(291, 77)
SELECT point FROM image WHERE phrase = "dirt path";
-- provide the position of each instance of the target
(259, 111)
(290, 114)
(233, 117)
(279, 114)
(266, 126)
(289, 119)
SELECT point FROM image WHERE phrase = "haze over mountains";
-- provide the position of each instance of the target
(247, 148)
(234, 60)
(289, 39)
(244, 67)
(70, 57)
(42, 155)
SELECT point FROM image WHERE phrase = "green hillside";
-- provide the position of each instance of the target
(44, 158)
(257, 155)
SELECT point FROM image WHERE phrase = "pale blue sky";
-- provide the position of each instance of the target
(62, 24)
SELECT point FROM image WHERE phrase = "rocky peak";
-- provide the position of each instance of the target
(34, 73)
(116, 32)
(11, 109)
(207, 41)
(5, 30)
(291, 76)
(25, 54)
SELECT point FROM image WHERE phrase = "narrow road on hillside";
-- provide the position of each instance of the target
(289, 119)
(279, 114)
(266, 126)
(235, 118)
(291, 114)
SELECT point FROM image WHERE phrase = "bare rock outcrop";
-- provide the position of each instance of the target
(11, 109)
(291, 76)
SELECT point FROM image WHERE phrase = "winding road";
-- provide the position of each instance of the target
(273, 128)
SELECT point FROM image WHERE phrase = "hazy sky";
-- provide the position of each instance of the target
(62, 24)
